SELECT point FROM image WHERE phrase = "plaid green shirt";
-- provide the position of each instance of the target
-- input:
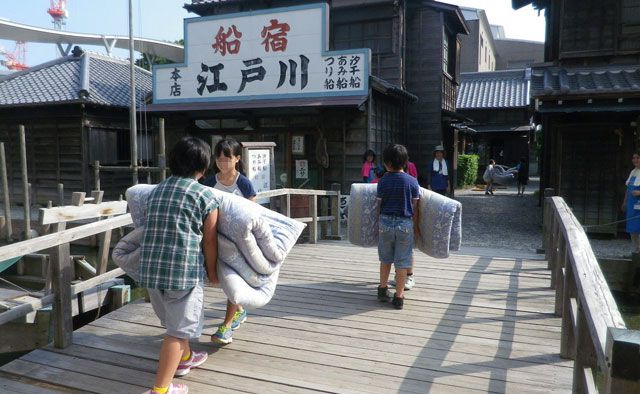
(171, 256)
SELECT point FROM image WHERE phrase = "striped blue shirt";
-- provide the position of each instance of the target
(397, 189)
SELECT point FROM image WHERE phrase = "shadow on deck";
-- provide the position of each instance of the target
(472, 324)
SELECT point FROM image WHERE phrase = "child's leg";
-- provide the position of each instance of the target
(231, 311)
(173, 349)
(401, 277)
(385, 269)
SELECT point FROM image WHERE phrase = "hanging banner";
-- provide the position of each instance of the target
(265, 54)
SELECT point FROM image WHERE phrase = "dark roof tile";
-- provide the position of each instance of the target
(567, 81)
(493, 89)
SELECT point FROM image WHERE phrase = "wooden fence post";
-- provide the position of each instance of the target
(5, 193)
(162, 157)
(335, 211)
(120, 296)
(623, 362)
(60, 261)
(585, 356)
(25, 183)
(569, 306)
(313, 210)
(560, 279)
(96, 174)
(288, 205)
(60, 194)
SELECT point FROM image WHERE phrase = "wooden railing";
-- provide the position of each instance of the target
(314, 219)
(593, 331)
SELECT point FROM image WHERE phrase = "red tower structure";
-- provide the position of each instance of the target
(59, 13)
(15, 60)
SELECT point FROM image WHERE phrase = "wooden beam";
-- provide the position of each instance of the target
(61, 273)
(5, 193)
(55, 239)
(87, 211)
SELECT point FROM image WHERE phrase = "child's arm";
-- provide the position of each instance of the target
(416, 216)
(210, 245)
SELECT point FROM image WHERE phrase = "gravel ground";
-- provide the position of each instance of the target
(506, 221)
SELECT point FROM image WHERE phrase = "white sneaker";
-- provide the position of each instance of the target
(410, 282)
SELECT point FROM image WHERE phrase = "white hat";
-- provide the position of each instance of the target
(438, 148)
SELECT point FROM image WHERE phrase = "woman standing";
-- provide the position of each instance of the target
(631, 203)
(439, 173)
(368, 166)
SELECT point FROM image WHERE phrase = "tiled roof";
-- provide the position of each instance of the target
(97, 79)
(580, 81)
(494, 89)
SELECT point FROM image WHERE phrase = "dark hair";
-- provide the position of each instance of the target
(228, 147)
(395, 156)
(368, 153)
(491, 161)
(188, 156)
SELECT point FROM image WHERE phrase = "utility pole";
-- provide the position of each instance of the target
(133, 132)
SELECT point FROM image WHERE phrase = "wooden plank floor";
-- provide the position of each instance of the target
(472, 324)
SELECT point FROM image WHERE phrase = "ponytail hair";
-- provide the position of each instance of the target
(229, 148)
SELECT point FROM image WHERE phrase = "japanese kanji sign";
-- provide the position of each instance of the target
(266, 54)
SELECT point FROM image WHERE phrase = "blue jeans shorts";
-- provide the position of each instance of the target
(395, 241)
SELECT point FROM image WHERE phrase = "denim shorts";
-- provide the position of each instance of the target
(181, 312)
(395, 241)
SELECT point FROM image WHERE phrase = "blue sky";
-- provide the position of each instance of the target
(162, 20)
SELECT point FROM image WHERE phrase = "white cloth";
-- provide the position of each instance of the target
(635, 172)
(440, 167)
(233, 188)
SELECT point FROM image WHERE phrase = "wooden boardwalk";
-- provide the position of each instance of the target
(472, 324)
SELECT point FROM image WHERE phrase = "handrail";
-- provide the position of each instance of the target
(591, 321)
(303, 192)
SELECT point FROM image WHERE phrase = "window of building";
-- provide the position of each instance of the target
(376, 35)
(629, 25)
(445, 51)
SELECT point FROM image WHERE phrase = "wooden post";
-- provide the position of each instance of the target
(559, 244)
(560, 279)
(96, 174)
(77, 198)
(335, 211)
(103, 251)
(288, 206)
(5, 193)
(569, 306)
(324, 211)
(585, 353)
(25, 183)
(623, 362)
(162, 158)
(61, 274)
(313, 210)
(120, 296)
(60, 194)
(97, 196)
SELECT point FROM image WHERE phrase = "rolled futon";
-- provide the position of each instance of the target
(440, 220)
(253, 242)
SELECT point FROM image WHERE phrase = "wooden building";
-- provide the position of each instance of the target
(586, 96)
(497, 102)
(75, 110)
(412, 80)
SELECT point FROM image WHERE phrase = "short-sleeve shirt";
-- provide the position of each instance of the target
(396, 190)
(170, 255)
(241, 186)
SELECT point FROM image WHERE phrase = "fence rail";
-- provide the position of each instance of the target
(593, 331)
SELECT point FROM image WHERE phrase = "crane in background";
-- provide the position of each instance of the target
(15, 60)
(59, 13)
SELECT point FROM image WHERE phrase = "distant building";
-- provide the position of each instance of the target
(75, 110)
(498, 104)
(518, 54)
(585, 98)
(477, 49)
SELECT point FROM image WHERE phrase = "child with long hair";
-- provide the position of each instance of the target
(229, 178)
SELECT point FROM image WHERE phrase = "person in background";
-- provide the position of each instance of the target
(368, 166)
(631, 203)
(488, 177)
(523, 175)
(411, 169)
(228, 178)
(439, 173)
